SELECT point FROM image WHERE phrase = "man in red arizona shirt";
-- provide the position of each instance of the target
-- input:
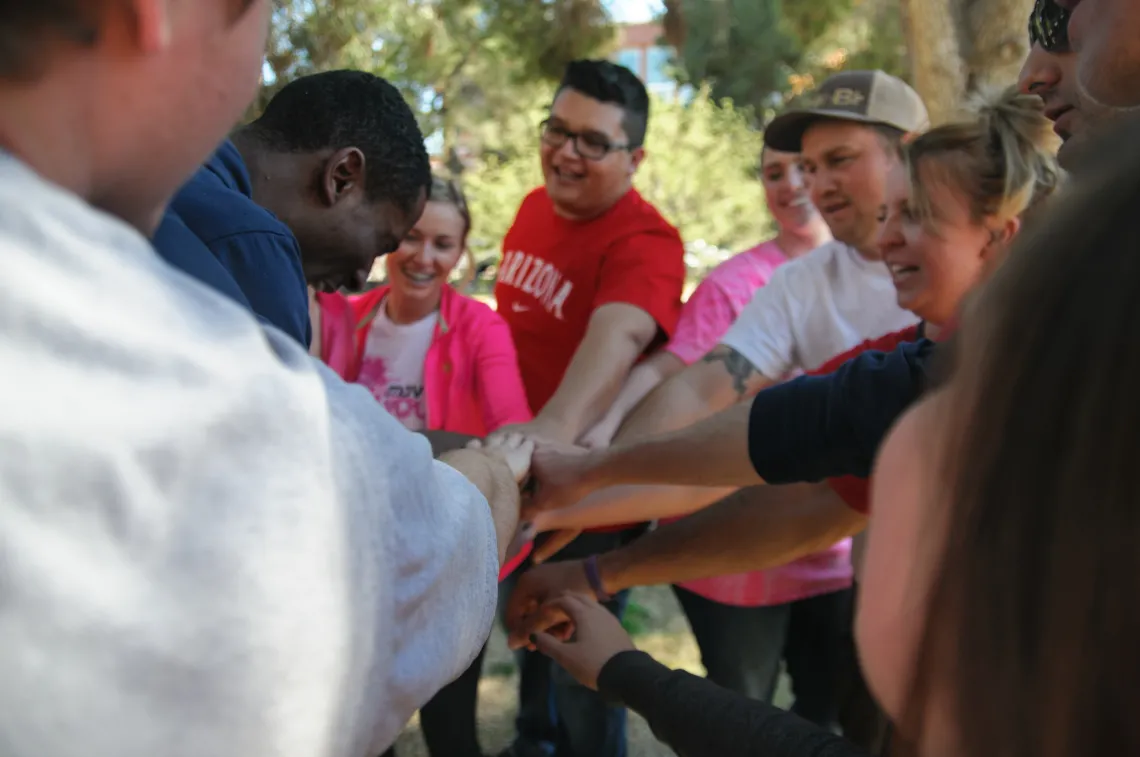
(590, 280)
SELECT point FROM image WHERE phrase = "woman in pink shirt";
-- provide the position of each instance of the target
(746, 624)
(438, 361)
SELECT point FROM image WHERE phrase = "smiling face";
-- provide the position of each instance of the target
(934, 262)
(581, 188)
(420, 267)
(846, 166)
(785, 190)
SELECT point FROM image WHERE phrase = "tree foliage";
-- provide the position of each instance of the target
(758, 53)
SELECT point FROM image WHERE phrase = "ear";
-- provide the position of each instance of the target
(1001, 236)
(636, 155)
(151, 25)
(343, 175)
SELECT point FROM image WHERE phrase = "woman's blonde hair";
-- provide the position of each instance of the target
(1003, 157)
(450, 192)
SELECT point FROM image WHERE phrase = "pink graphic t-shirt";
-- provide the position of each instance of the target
(705, 319)
(392, 367)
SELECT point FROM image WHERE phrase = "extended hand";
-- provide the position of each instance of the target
(528, 611)
(597, 637)
(514, 449)
(562, 475)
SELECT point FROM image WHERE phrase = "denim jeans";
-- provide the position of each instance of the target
(557, 715)
(742, 647)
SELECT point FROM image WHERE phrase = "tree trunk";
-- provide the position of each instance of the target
(958, 47)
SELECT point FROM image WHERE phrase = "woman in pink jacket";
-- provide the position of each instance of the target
(438, 361)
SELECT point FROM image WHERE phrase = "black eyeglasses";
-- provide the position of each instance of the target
(590, 145)
(1049, 26)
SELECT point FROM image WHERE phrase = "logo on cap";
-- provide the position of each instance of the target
(841, 97)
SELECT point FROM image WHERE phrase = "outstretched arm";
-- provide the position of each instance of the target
(616, 337)
(716, 381)
(753, 529)
(643, 379)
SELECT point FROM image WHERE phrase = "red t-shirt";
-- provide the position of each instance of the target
(556, 272)
(853, 490)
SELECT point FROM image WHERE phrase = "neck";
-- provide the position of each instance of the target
(48, 126)
(870, 252)
(403, 310)
(796, 242)
(274, 176)
(574, 214)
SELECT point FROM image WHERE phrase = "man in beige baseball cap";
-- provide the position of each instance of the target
(848, 132)
(867, 97)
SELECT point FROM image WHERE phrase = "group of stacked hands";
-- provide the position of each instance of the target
(214, 545)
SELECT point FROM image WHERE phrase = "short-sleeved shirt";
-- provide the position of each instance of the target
(556, 272)
(814, 308)
(707, 315)
(181, 248)
(718, 300)
(258, 250)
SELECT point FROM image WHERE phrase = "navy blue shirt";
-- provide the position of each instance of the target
(184, 250)
(817, 427)
(257, 251)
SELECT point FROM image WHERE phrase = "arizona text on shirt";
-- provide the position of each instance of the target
(538, 278)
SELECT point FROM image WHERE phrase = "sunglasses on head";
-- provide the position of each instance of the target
(1049, 26)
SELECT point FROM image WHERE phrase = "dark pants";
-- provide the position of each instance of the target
(448, 720)
(741, 648)
(557, 715)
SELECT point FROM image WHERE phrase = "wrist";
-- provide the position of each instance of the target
(610, 566)
(556, 426)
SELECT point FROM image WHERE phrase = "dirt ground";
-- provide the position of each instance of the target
(659, 628)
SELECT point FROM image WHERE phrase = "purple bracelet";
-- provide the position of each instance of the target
(594, 578)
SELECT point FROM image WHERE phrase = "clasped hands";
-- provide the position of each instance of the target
(553, 602)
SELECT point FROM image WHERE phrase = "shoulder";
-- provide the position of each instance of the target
(642, 217)
(536, 202)
(362, 304)
(469, 314)
(216, 213)
(805, 272)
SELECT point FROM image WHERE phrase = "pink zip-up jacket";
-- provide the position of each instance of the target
(471, 372)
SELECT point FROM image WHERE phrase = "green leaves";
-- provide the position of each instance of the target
(758, 53)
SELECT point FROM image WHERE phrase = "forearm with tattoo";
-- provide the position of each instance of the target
(738, 367)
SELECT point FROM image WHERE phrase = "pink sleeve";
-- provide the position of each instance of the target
(338, 343)
(704, 320)
(497, 376)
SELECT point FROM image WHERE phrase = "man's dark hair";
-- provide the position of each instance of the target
(608, 82)
(27, 26)
(892, 137)
(340, 109)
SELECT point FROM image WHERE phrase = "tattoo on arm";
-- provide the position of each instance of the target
(736, 365)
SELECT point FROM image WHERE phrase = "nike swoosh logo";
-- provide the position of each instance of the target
(519, 308)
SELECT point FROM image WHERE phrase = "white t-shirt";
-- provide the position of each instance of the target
(209, 544)
(393, 366)
(814, 308)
